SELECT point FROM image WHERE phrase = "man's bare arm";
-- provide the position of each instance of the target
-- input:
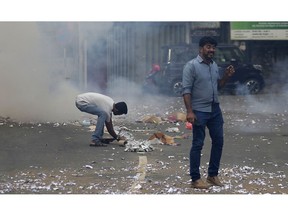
(110, 129)
(190, 117)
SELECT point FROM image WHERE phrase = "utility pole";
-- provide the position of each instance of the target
(82, 55)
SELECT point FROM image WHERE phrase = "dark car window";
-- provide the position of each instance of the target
(179, 55)
(228, 54)
(182, 55)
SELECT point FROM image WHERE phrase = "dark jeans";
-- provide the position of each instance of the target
(214, 122)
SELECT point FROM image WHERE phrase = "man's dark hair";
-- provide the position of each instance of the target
(121, 107)
(207, 40)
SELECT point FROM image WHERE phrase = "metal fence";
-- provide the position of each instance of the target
(134, 46)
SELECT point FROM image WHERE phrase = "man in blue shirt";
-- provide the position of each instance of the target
(200, 84)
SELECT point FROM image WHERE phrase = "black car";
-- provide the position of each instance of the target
(167, 77)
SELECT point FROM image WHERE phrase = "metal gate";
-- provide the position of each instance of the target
(134, 46)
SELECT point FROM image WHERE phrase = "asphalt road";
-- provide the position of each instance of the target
(55, 158)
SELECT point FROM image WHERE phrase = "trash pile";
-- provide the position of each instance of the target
(3, 120)
(144, 145)
(164, 139)
(139, 146)
(157, 137)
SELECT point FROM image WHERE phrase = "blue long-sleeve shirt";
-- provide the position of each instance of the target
(201, 81)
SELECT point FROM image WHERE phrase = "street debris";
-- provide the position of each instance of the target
(173, 130)
(150, 119)
(88, 166)
(177, 117)
(113, 171)
(165, 139)
(236, 179)
(139, 146)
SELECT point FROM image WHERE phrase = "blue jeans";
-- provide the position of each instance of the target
(214, 122)
(102, 117)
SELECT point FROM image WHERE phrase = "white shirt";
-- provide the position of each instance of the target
(102, 101)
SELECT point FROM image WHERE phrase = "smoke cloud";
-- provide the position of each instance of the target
(29, 90)
(33, 85)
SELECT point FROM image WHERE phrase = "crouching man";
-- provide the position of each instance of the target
(103, 106)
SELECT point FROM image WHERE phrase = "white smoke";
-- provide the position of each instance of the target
(35, 89)
(28, 88)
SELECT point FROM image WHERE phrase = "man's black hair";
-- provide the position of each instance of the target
(121, 107)
(207, 40)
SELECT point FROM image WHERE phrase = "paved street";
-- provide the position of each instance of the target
(55, 158)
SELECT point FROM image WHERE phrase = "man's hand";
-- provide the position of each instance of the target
(120, 138)
(229, 71)
(191, 117)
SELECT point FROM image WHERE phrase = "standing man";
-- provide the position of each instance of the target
(102, 106)
(201, 80)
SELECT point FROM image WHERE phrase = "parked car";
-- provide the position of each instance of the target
(167, 76)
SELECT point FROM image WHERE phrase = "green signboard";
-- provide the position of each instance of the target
(259, 30)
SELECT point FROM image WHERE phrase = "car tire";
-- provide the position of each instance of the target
(177, 88)
(253, 85)
(249, 86)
